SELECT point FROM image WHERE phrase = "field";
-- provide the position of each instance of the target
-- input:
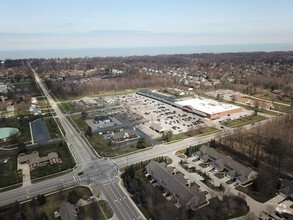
(78, 122)
(244, 121)
(8, 171)
(52, 128)
(67, 107)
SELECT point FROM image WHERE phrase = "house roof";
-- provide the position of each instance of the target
(68, 211)
(176, 184)
(124, 134)
(234, 168)
(286, 187)
(34, 158)
(157, 127)
(102, 118)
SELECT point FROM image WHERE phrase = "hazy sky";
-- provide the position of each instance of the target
(71, 24)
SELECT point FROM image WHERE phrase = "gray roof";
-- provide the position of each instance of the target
(157, 127)
(286, 188)
(127, 134)
(190, 197)
(222, 162)
(68, 211)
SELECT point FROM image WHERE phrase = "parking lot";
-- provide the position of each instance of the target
(167, 116)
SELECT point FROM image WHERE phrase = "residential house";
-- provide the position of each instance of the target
(68, 211)
(188, 197)
(225, 164)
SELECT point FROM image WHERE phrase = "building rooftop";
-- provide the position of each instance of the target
(190, 197)
(207, 105)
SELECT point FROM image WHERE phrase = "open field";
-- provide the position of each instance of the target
(244, 121)
(52, 128)
(67, 107)
(78, 122)
(8, 171)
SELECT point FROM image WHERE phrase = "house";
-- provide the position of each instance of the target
(36, 110)
(34, 160)
(34, 101)
(157, 128)
(225, 164)
(68, 211)
(286, 189)
(10, 108)
(124, 136)
(188, 197)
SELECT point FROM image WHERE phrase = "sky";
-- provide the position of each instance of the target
(79, 24)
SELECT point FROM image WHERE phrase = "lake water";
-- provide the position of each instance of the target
(104, 52)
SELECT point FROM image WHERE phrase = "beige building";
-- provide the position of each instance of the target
(34, 160)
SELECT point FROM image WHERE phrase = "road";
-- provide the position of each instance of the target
(96, 170)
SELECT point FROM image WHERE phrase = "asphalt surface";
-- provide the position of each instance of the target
(96, 170)
(40, 133)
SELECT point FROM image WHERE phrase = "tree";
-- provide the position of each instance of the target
(72, 197)
(141, 143)
(167, 136)
(41, 199)
(88, 131)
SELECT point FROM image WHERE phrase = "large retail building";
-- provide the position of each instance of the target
(208, 108)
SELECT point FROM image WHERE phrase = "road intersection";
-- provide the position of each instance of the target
(96, 170)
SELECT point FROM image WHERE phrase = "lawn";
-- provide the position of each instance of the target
(52, 128)
(78, 122)
(106, 208)
(68, 107)
(258, 196)
(181, 136)
(91, 211)
(63, 152)
(245, 120)
(104, 149)
(22, 84)
(282, 108)
(8, 172)
(22, 124)
(277, 107)
(209, 130)
(53, 202)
